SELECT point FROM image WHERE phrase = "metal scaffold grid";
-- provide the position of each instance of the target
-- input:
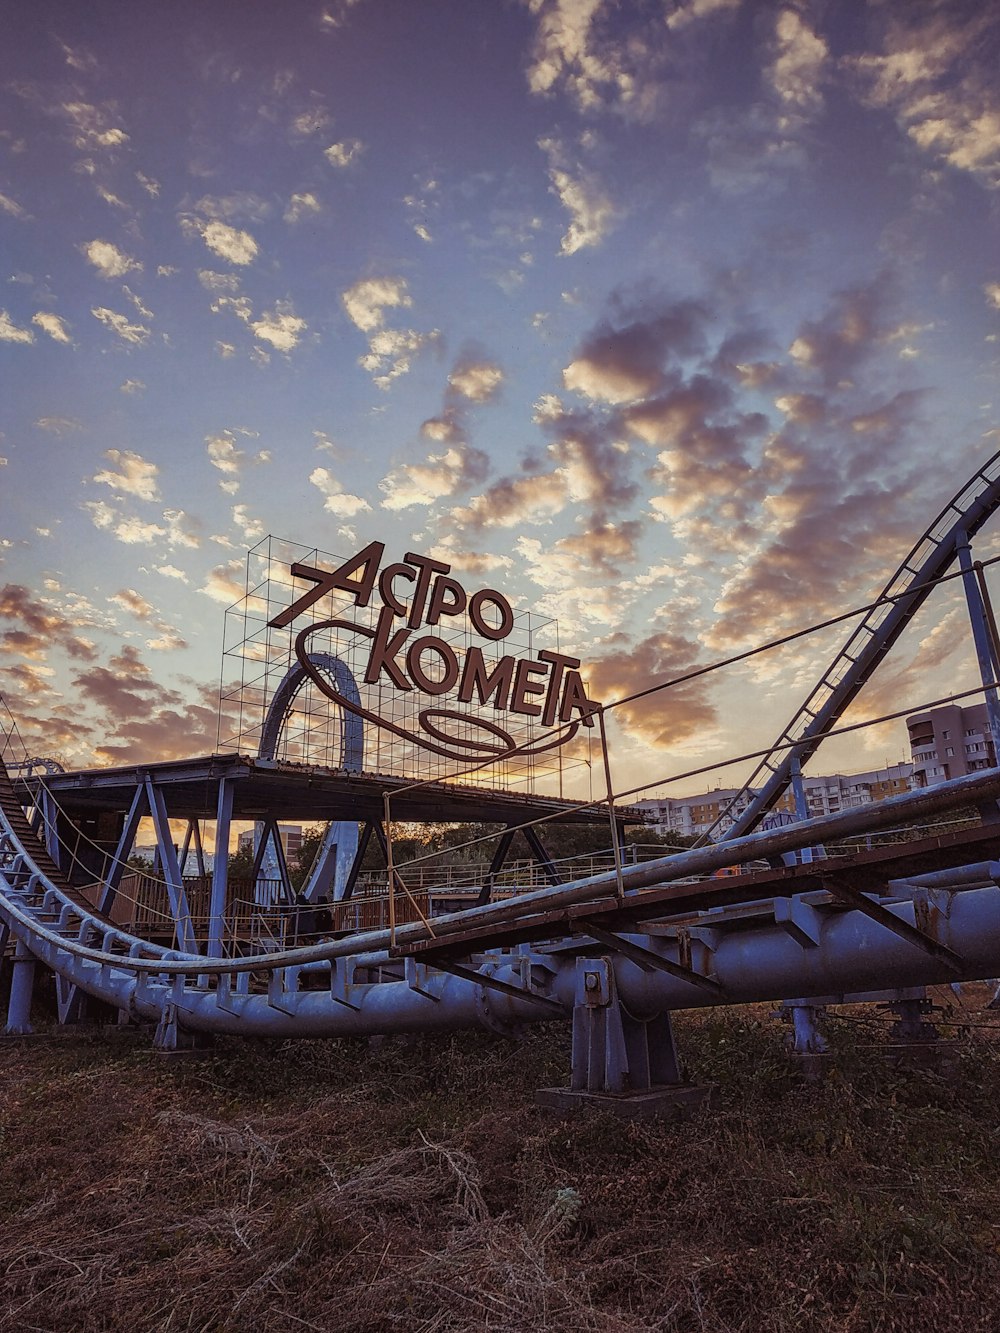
(258, 657)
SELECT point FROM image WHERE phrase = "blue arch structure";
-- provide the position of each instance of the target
(335, 856)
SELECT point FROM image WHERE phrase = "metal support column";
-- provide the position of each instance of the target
(220, 869)
(171, 869)
(22, 985)
(988, 666)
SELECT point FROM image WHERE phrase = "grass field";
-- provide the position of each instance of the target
(414, 1185)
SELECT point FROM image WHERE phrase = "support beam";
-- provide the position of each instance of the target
(493, 983)
(540, 854)
(647, 959)
(220, 868)
(359, 856)
(499, 857)
(138, 808)
(171, 869)
(855, 898)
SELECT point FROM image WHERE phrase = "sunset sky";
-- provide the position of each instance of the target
(677, 320)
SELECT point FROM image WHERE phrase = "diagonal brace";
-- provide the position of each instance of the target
(493, 983)
(647, 959)
(862, 903)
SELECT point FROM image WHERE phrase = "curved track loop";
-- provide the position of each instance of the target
(859, 658)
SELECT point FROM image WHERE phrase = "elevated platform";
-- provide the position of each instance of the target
(269, 789)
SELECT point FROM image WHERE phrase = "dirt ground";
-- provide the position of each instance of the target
(414, 1184)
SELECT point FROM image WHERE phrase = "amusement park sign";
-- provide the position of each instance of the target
(547, 688)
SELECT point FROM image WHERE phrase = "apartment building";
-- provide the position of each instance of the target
(692, 815)
(949, 742)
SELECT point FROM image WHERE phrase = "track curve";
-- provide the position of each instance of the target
(866, 647)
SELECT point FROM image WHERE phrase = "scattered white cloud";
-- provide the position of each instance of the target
(301, 206)
(441, 475)
(592, 213)
(992, 290)
(344, 154)
(109, 261)
(367, 301)
(225, 583)
(52, 325)
(91, 126)
(798, 69)
(12, 207)
(171, 572)
(58, 425)
(131, 387)
(229, 243)
(135, 475)
(251, 529)
(152, 187)
(479, 381)
(690, 11)
(337, 500)
(118, 323)
(11, 333)
(310, 122)
(282, 328)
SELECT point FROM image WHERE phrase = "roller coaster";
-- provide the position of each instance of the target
(614, 951)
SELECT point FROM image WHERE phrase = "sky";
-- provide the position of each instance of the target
(676, 320)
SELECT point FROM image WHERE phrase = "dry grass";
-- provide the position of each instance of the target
(416, 1186)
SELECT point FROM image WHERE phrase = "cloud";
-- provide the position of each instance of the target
(135, 475)
(172, 572)
(310, 122)
(937, 74)
(229, 243)
(109, 261)
(251, 529)
(628, 357)
(391, 352)
(282, 328)
(512, 501)
(58, 425)
(992, 291)
(337, 501)
(225, 583)
(796, 74)
(440, 475)
(690, 11)
(592, 214)
(573, 53)
(136, 334)
(134, 603)
(367, 301)
(302, 206)
(132, 387)
(478, 381)
(52, 325)
(344, 154)
(11, 207)
(836, 343)
(91, 127)
(11, 333)
(34, 625)
(669, 718)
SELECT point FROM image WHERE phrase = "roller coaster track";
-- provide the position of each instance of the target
(914, 916)
(865, 649)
